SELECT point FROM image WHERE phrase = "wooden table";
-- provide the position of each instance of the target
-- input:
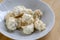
(55, 32)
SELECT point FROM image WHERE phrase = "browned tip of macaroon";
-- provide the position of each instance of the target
(23, 23)
(20, 15)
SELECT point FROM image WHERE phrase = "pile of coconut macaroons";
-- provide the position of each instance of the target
(25, 19)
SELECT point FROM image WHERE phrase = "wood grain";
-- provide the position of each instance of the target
(1, 1)
(55, 32)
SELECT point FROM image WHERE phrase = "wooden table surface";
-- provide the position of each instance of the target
(55, 32)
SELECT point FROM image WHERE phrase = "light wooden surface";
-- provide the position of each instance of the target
(55, 32)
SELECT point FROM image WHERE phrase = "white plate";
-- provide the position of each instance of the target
(48, 18)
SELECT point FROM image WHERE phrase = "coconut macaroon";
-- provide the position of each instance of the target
(18, 10)
(28, 11)
(28, 29)
(9, 14)
(11, 23)
(37, 13)
(39, 25)
(26, 18)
